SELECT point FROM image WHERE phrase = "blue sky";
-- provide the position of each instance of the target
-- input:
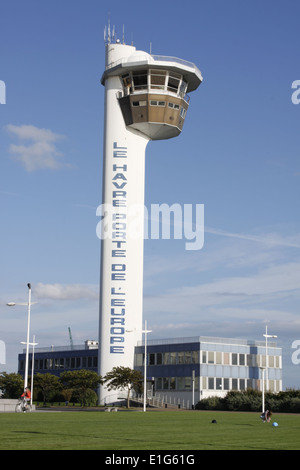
(238, 155)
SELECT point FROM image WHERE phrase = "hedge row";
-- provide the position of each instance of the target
(251, 400)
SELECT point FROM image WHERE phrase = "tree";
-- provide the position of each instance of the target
(82, 382)
(48, 384)
(11, 385)
(123, 378)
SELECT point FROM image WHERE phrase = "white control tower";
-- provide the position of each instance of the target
(145, 99)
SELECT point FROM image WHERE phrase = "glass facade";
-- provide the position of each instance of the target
(57, 360)
(217, 364)
(206, 365)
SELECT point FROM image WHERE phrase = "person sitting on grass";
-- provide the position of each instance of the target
(266, 416)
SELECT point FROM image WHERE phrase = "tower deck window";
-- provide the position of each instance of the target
(158, 79)
(173, 82)
(157, 103)
(140, 80)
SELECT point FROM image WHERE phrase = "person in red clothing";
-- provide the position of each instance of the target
(26, 394)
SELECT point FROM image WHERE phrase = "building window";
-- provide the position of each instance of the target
(234, 359)
(218, 383)
(172, 383)
(173, 82)
(218, 358)
(195, 357)
(181, 357)
(136, 104)
(140, 80)
(172, 358)
(161, 104)
(183, 88)
(211, 359)
(188, 357)
(166, 358)
(158, 79)
(127, 83)
(139, 360)
(159, 383)
(159, 359)
(165, 383)
(226, 358)
(151, 359)
(188, 383)
(211, 383)
(234, 384)
(180, 383)
(173, 106)
(183, 113)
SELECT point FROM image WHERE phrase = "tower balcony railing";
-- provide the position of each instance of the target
(159, 90)
(152, 59)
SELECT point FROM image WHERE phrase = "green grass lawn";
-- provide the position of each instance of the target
(153, 430)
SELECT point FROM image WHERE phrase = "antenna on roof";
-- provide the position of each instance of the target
(123, 37)
(110, 36)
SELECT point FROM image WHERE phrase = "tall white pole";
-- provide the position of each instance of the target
(263, 389)
(267, 357)
(27, 340)
(32, 369)
(145, 368)
(193, 389)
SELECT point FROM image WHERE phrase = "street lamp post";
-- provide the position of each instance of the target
(193, 390)
(12, 304)
(145, 331)
(263, 388)
(267, 359)
(32, 365)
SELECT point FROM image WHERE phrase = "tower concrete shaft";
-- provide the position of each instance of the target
(145, 99)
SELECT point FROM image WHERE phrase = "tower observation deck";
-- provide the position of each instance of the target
(154, 98)
(146, 98)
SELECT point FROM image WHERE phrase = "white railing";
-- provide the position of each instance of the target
(163, 401)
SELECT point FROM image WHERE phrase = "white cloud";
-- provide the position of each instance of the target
(272, 239)
(65, 292)
(263, 286)
(39, 150)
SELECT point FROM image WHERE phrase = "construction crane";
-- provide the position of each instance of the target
(71, 339)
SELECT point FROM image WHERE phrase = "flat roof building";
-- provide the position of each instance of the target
(209, 366)
(180, 369)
